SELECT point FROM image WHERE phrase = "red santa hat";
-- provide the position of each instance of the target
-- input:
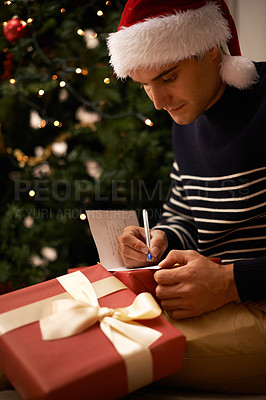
(156, 33)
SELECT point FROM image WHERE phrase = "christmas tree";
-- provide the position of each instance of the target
(72, 137)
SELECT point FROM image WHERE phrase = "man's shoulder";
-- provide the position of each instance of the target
(261, 69)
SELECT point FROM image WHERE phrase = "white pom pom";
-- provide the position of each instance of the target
(238, 71)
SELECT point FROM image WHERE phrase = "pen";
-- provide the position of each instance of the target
(147, 232)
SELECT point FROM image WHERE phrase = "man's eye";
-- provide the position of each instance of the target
(168, 80)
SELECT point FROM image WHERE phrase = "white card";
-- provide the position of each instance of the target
(106, 226)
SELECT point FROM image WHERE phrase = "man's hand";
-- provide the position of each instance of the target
(133, 249)
(197, 287)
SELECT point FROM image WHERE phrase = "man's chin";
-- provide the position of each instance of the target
(182, 118)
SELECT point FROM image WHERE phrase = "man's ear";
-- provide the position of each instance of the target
(215, 53)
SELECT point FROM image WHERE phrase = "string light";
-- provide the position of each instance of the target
(108, 3)
(41, 92)
(54, 77)
(82, 216)
(62, 84)
(8, 2)
(99, 13)
(106, 81)
(57, 123)
(78, 70)
(43, 124)
(29, 20)
(31, 193)
(148, 122)
(80, 32)
(12, 81)
(62, 10)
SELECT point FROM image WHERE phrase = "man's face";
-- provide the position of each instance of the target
(185, 89)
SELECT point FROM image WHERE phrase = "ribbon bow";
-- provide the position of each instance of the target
(75, 311)
(131, 340)
(74, 315)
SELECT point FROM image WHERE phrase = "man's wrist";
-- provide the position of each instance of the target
(231, 289)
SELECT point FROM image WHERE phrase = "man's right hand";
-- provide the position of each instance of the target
(133, 249)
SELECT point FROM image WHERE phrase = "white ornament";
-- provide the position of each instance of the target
(87, 117)
(93, 169)
(63, 95)
(28, 221)
(38, 151)
(59, 149)
(49, 253)
(35, 120)
(41, 170)
(91, 38)
(37, 261)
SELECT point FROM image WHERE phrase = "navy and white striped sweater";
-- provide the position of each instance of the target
(218, 200)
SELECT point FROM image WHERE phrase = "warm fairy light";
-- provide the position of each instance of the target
(8, 2)
(41, 92)
(29, 20)
(106, 81)
(43, 124)
(82, 217)
(99, 13)
(93, 35)
(31, 193)
(84, 72)
(108, 3)
(23, 23)
(80, 32)
(12, 81)
(62, 84)
(54, 77)
(62, 10)
(57, 123)
(148, 122)
(78, 70)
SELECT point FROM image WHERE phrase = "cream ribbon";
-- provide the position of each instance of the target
(72, 315)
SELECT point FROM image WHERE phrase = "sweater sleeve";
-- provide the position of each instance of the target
(177, 221)
(250, 278)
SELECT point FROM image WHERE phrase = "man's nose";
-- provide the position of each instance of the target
(159, 97)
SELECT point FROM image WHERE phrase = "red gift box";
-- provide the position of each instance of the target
(83, 366)
(141, 280)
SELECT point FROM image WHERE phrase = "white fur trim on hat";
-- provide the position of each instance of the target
(238, 71)
(163, 40)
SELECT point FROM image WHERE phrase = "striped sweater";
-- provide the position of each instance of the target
(218, 199)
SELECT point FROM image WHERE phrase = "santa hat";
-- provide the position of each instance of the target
(156, 33)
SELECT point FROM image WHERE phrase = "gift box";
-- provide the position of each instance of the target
(142, 280)
(139, 281)
(84, 335)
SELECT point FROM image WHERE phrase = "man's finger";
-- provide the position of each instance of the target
(178, 257)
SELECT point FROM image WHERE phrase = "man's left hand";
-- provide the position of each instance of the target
(198, 286)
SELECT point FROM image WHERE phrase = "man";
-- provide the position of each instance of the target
(177, 51)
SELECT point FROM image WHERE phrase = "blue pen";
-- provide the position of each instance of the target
(147, 232)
